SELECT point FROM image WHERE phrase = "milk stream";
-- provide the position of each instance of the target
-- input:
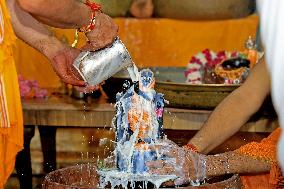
(133, 72)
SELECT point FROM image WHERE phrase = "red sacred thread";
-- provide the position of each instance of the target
(93, 6)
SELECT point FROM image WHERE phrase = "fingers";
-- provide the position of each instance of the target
(104, 33)
(73, 81)
(155, 164)
(170, 152)
(101, 42)
(67, 78)
(62, 65)
(167, 165)
(162, 171)
(97, 45)
(87, 89)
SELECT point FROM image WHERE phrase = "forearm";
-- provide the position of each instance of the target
(63, 13)
(224, 121)
(234, 163)
(32, 32)
(234, 111)
(51, 22)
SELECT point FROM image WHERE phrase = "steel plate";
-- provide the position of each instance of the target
(171, 82)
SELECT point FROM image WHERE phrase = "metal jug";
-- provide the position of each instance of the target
(97, 66)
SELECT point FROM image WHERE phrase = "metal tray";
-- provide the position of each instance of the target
(171, 82)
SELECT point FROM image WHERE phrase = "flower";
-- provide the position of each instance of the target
(206, 59)
(159, 112)
(30, 88)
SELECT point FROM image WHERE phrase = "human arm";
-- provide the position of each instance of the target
(63, 13)
(234, 163)
(234, 111)
(73, 14)
(190, 166)
(38, 36)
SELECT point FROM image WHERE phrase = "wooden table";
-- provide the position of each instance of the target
(63, 110)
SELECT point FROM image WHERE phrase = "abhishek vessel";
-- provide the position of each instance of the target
(97, 66)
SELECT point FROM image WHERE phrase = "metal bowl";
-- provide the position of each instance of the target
(171, 82)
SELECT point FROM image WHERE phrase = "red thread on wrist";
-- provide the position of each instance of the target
(91, 26)
(93, 6)
(191, 147)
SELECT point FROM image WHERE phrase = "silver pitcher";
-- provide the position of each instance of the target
(97, 66)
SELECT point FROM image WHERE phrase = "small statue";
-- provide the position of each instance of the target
(141, 115)
(139, 123)
(251, 51)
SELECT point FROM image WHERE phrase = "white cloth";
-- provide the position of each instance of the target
(272, 33)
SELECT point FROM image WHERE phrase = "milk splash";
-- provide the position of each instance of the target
(138, 125)
(133, 72)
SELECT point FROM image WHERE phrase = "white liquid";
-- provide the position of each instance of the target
(133, 72)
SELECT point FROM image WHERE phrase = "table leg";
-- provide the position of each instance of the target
(48, 145)
(23, 160)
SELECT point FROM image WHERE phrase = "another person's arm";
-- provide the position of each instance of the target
(234, 163)
(189, 166)
(234, 111)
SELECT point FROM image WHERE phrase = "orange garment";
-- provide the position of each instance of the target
(266, 151)
(134, 117)
(256, 182)
(11, 133)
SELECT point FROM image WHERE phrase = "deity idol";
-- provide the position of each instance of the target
(138, 123)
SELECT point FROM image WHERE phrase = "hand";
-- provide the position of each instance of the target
(62, 64)
(187, 165)
(104, 33)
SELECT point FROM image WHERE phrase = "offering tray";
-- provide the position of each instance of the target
(171, 82)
